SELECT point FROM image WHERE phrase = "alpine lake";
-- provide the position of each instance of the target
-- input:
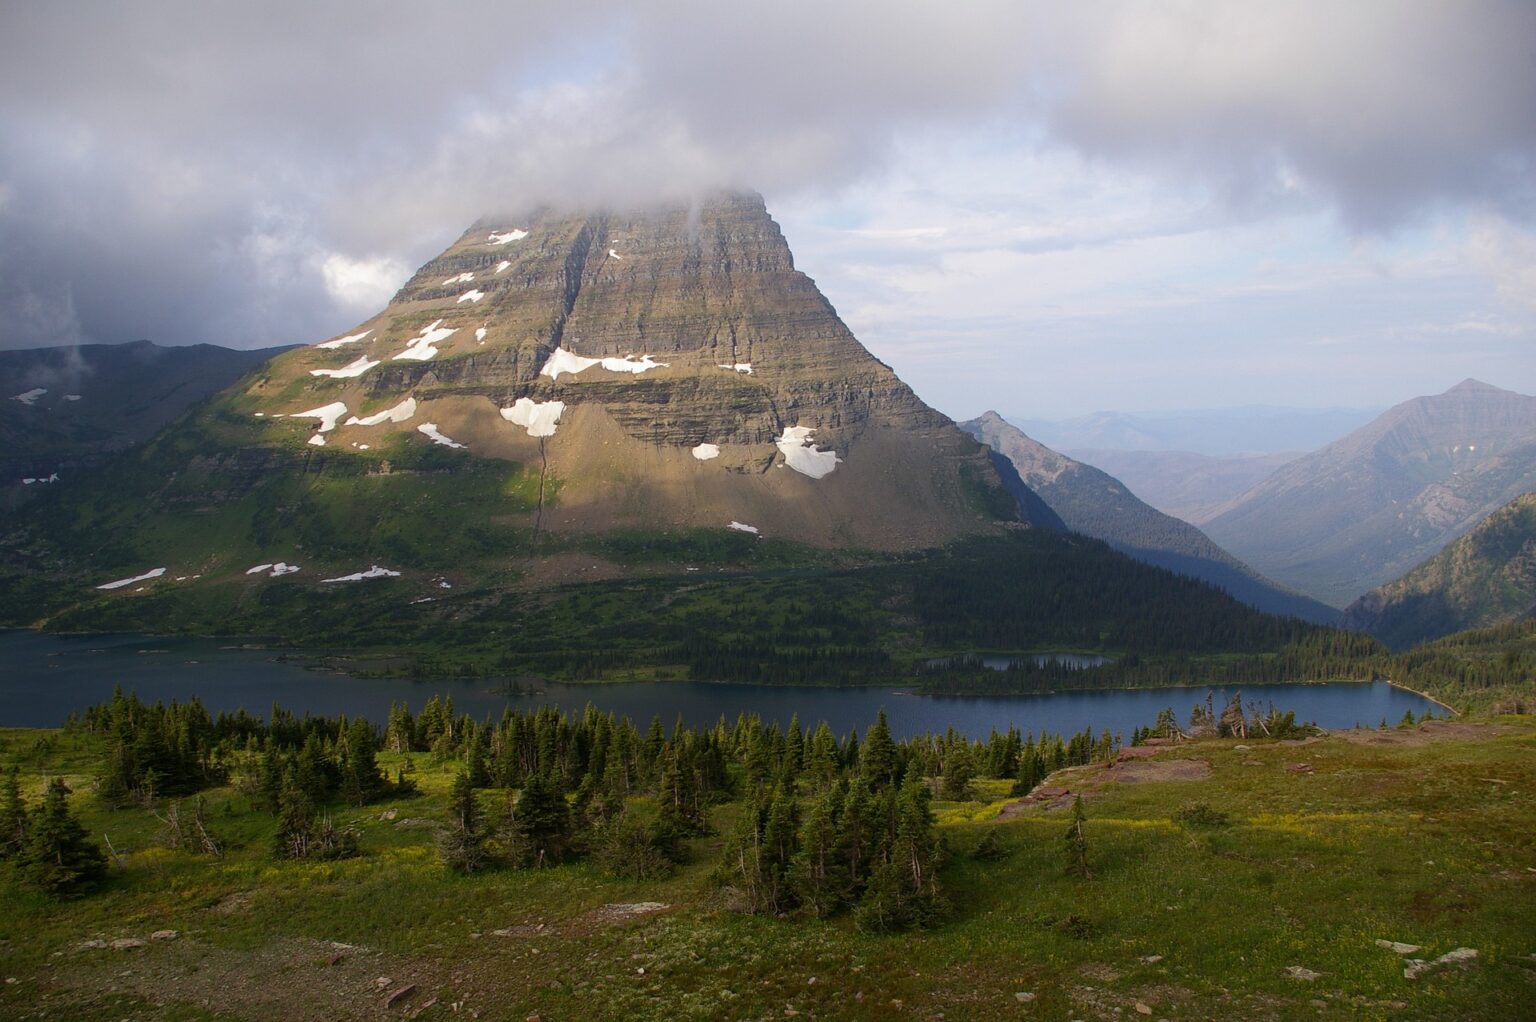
(44, 678)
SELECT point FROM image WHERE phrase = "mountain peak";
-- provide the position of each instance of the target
(665, 366)
(1471, 386)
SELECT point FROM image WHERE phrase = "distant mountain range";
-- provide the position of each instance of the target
(66, 408)
(1095, 504)
(1216, 432)
(1194, 487)
(1487, 577)
(1369, 507)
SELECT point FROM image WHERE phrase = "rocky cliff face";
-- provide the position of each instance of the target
(667, 367)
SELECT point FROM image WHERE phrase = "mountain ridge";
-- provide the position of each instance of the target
(1091, 502)
(1372, 505)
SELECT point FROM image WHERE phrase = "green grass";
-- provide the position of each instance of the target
(1413, 843)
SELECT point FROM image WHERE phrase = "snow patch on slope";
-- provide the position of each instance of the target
(153, 573)
(740, 367)
(348, 371)
(803, 456)
(562, 361)
(402, 411)
(358, 576)
(429, 430)
(422, 347)
(704, 452)
(744, 527)
(327, 414)
(463, 278)
(538, 417)
(501, 238)
(341, 341)
(273, 570)
(31, 396)
(471, 296)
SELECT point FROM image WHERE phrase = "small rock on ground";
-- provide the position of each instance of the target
(164, 935)
(1023, 997)
(1304, 974)
(1142, 1008)
(1398, 947)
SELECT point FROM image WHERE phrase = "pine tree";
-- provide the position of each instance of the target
(878, 758)
(540, 828)
(57, 856)
(461, 845)
(13, 817)
(819, 873)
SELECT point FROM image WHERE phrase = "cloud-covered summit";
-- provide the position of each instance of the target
(259, 174)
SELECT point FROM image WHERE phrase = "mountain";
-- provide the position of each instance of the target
(575, 375)
(1194, 487)
(1485, 578)
(1367, 508)
(67, 408)
(1217, 432)
(1095, 504)
(596, 445)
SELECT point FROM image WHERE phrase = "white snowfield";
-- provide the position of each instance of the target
(348, 371)
(470, 296)
(422, 347)
(501, 238)
(704, 452)
(538, 417)
(154, 573)
(316, 441)
(327, 414)
(480, 334)
(802, 455)
(744, 527)
(740, 367)
(429, 430)
(463, 278)
(343, 341)
(358, 576)
(36, 479)
(272, 570)
(503, 265)
(614, 255)
(31, 396)
(562, 361)
(402, 411)
(71, 397)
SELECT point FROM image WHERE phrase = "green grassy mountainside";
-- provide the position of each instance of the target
(1485, 578)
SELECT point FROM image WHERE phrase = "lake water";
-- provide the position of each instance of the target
(43, 678)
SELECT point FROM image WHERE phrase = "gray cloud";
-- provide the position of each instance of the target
(187, 171)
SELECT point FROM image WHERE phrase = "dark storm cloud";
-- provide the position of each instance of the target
(260, 173)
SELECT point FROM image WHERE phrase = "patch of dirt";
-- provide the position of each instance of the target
(233, 904)
(1152, 771)
(606, 916)
(1429, 731)
(287, 978)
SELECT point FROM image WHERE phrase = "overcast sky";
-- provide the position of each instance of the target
(1043, 208)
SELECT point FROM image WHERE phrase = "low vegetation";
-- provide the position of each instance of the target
(582, 867)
